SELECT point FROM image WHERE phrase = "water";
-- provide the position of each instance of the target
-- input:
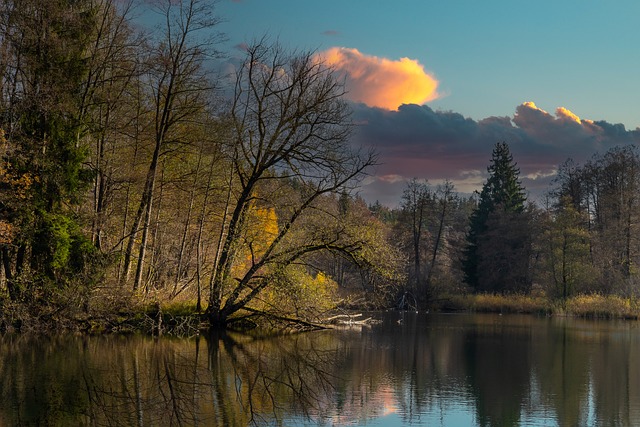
(411, 370)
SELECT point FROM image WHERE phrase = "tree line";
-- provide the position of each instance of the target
(581, 240)
(131, 171)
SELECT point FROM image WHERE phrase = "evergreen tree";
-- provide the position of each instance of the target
(498, 243)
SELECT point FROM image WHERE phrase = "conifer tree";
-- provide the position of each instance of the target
(498, 242)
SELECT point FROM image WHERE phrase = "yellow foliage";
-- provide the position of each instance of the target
(262, 229)
(300, 292)
(14, 193)
(583, 305)
(7, 232)
(496, 303)
(21, 185)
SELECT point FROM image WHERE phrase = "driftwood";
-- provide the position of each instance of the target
(339, 320)
(350, 319)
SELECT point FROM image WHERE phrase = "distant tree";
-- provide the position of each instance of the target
(604, 195)
(444, 198)
(379, 267)
(568, 259)
(498, 244)
(616, 181)
(383, 213)
(571, 186)
(416, 201)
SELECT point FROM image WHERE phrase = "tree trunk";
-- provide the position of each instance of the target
(185, 231)
(12, 288)
(144, 211)
(199, 238)
(436, 244)
(221, 261)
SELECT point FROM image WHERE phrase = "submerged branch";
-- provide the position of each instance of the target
(295, 322)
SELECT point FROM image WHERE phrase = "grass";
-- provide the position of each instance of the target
(603, 306)
(496, 303)
(179, 308)
(591, 305)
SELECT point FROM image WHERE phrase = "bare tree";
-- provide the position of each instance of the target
(444, 196)
(290, 147)
(107, 104)
(179, 85)
(416, 199)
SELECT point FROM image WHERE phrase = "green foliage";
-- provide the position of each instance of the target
(53, 241)
(179, 308)
(59, 248)
(371, 264)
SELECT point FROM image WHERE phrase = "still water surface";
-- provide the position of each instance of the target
(427, 370)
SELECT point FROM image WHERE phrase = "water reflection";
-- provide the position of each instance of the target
(480, 370)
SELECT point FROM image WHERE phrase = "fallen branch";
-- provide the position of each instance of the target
(291, 320)
(342, 316)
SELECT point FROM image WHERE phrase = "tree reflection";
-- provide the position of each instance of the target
(117, 381)
(498, 370)
(498, 363)
(561, 364)
(273, 377)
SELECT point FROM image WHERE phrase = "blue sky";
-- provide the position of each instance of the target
(487, 59)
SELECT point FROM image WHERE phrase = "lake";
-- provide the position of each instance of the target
(410, 370)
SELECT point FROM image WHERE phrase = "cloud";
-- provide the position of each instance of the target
(241, 47)
(331, 33)
(418, 142)
(565, 114)
(382, 82)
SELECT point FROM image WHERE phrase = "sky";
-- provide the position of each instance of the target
(434, 85)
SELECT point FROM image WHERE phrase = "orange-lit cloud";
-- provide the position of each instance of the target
(563, 113)
(382, 82)
(533, 106)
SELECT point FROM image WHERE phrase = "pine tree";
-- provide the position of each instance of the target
(496, 257)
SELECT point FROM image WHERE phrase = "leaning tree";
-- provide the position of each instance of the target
(290, 148)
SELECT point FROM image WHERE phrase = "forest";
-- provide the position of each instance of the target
(136, 179)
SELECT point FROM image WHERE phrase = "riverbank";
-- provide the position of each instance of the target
(588, 306)
(182, 319)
